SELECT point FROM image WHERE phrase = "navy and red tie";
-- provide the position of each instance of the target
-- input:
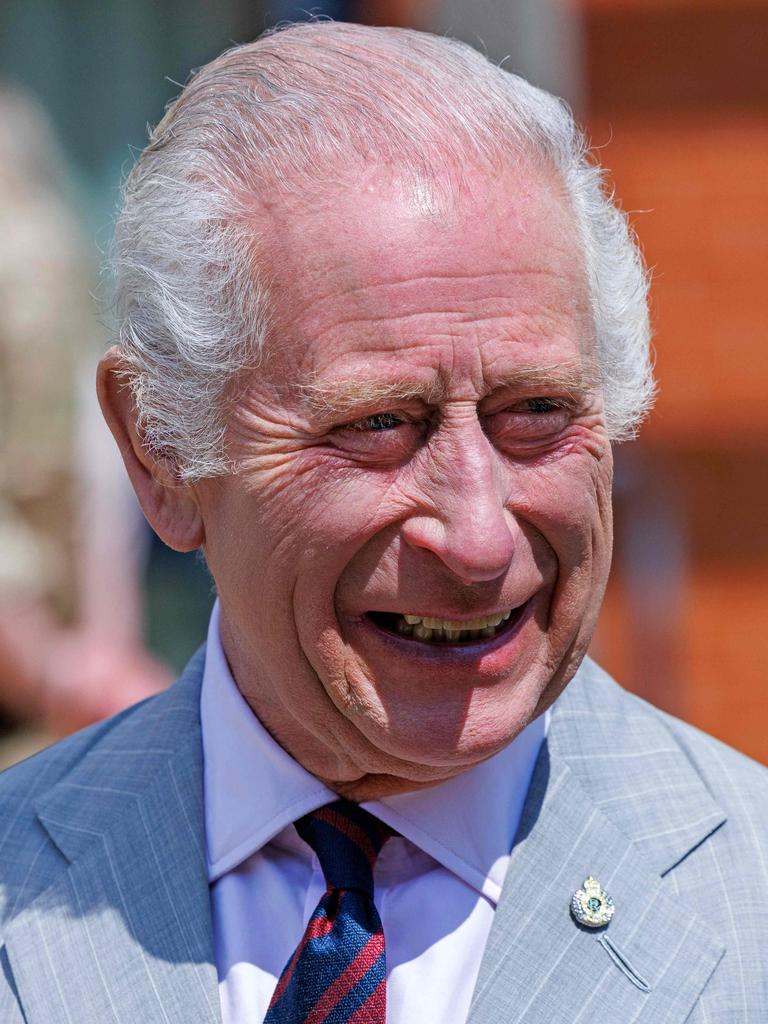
(338, 973)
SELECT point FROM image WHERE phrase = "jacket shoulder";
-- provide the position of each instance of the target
(738, 784)
(101, 755)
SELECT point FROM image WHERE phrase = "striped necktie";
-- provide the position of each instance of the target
(338, 973)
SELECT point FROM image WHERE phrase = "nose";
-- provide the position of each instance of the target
(463, 520)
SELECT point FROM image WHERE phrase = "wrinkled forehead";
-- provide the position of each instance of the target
(389, 261)
(405, 220)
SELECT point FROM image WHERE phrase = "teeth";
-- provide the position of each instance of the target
(453, 625)
(450, 630)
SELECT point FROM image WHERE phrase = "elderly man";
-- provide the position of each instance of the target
(379, 329)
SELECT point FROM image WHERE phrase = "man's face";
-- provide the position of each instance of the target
(411, 556)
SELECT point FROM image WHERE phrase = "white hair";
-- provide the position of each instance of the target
(285, 115)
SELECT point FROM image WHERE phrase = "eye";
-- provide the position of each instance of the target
(529, 423)
(379, 421)
(382, 437)
(538, 405)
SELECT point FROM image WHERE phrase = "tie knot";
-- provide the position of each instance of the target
(347, 841)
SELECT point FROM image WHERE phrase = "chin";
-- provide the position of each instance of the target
(429, 748)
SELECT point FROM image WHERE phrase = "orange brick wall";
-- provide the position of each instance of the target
(679, 95)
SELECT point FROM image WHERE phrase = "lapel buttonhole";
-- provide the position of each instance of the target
(623, 963)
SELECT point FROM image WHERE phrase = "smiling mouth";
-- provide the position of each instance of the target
(424, 629)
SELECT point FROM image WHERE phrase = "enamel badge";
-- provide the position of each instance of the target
(592, 906)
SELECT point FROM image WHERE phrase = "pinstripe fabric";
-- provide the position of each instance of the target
(338, 973)
(105, 909)
(639, 800)
(111, 922)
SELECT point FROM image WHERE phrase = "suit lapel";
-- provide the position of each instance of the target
(124, 932)
(613, 796)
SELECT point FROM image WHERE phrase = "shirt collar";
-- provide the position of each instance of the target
(253, 789)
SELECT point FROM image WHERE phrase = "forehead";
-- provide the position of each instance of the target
(375, 279)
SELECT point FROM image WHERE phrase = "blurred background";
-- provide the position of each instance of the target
(95, 613)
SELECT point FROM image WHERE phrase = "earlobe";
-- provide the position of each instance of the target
(169, 504)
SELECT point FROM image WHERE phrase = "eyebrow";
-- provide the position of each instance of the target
(337, 397)
(344, 396)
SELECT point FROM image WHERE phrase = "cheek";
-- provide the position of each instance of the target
(338, 499)
(567, 503)
(307, 519)
(572, 492)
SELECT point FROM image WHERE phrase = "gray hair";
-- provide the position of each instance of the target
(286, 115)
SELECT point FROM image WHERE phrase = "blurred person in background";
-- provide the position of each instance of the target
(71, 649)
(379, 328)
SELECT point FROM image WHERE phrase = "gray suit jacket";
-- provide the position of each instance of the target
(105, 908)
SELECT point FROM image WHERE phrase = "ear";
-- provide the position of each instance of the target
(169, 504)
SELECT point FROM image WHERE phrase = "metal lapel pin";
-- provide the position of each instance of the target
(591, 905)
